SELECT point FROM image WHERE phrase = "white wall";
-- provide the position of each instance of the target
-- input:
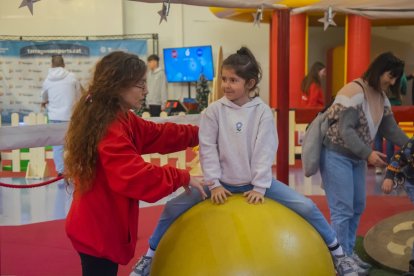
(192, 26)
(62, 17)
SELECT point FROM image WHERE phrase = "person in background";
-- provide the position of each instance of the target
(59, 93)
(409, 78)
(400, 171)
(238, 142)
(157, 86)
(394, 94)
(312, 92)
(360, 110)
(105, 142)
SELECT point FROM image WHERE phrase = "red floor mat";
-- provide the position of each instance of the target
(43, 248)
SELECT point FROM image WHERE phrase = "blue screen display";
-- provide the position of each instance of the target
(186, 64)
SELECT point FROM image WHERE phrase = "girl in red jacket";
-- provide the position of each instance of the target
(312, 93)
(104, 144)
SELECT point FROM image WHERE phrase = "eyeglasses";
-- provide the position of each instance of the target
(142, 86)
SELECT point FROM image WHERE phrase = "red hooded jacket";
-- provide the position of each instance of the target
(315, 97)
(103, 222)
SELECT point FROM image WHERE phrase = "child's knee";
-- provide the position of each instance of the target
(307, 207)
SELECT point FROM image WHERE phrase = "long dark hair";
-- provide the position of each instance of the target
(312, 77)
(245, 66)
(383, 63)
(95, 110)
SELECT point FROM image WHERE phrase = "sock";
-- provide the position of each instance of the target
(150, 253)
(336, 248)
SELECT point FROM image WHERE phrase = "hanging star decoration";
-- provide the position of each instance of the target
(258, 17)
(29, 4)
(327, 19)
(165, 10)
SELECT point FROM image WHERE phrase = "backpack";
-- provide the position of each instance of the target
(312, 143)
(313, 140)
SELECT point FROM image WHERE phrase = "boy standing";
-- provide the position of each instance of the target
(401, 171)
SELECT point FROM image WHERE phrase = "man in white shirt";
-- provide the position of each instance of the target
(157, 86)
(59, 93)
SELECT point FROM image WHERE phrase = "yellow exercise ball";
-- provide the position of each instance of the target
(241, 239)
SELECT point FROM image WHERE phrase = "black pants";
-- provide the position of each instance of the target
(94, 266)
(154, 110)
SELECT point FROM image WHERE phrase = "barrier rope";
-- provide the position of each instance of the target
(31, 185)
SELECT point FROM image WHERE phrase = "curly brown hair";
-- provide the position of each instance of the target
(95, 110)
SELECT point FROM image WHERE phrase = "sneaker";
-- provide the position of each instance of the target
(143, 267)
(345, 266)
(362, 271)
(378, 170)
(360, 262)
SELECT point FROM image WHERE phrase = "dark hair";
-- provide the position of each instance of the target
(95, 110)
(383, 63)
(245, 66)
(153, 57)
(57, 61)
(312, 77)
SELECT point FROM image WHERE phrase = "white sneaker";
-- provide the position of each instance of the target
(345, 266)
(143, 267)
(378, 170)
(360, 262)
(362, 271)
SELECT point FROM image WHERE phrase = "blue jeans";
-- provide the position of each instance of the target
(344, 182)
(378, 146)
(58, 153)
(409, 188)
(277, 191)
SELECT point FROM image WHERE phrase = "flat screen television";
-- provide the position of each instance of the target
(186, 64)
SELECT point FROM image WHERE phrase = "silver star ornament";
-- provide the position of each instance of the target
(29, 4)
(327, 19)
(258, 17)
(165, 10)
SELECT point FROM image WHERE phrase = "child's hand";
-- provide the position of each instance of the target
(254, 197)
(197, 183)
(219, 195)
(387, 185)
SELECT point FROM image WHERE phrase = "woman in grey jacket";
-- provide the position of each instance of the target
(360, 110)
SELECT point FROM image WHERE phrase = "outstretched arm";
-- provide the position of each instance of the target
(164, 138)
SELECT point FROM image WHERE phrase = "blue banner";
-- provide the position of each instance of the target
(84, 48)
(24, 66)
